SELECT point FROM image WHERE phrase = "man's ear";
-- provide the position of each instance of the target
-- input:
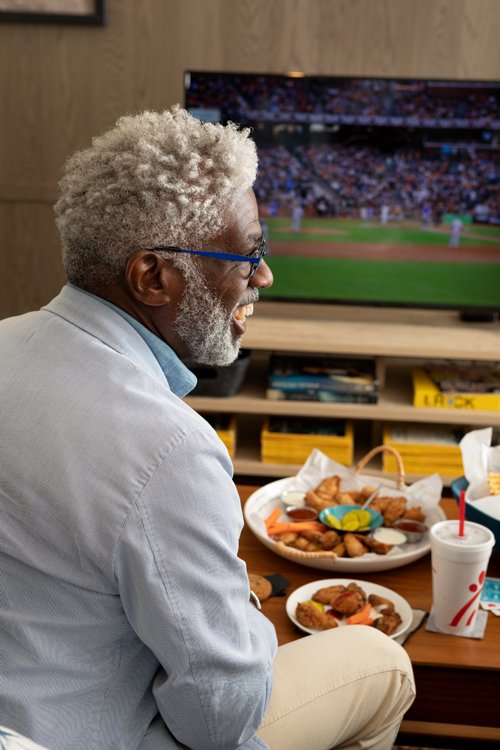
(151, 278)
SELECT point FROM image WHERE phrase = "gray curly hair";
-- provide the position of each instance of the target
(154, 179)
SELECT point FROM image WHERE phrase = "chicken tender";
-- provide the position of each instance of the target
(339, 549)
(330, 539)
(324, 494)
(367, 490)
(287, 537)
(305, 545)
(317, 537)
(378, 547)
(353, 546)
(329, 487)
(414, 514)
(317, 502)
(313, 617)
(347, 498)
(390, 508)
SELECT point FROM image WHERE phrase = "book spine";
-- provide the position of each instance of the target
(278, 394)
(319, 384)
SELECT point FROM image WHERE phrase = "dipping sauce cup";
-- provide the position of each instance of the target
(305, 513)
(413, 530)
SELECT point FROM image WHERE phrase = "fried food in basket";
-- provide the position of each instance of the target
(349, 545)
(348, 604)
(329, 492)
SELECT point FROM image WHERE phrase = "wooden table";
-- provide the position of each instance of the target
(458, 679)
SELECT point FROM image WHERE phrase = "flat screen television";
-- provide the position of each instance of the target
(372, 191)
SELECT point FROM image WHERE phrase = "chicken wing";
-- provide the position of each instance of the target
(379, 602)
(415, 514)
(311, 616)
(324, 595)
(388, 623)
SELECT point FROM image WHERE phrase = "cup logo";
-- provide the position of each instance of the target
(476, 589)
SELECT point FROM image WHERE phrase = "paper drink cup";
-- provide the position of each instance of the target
(458, 571)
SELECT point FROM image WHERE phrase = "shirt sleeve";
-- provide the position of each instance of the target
(186, 595)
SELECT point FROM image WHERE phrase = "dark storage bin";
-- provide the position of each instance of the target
(221, 381)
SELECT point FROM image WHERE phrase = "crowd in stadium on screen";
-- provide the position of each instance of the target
(334, 179)
(342, 181)
(269, 96)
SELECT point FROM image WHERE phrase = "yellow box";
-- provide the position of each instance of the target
(426, 450)
(426, 394)
(225, 427)
(295, 448)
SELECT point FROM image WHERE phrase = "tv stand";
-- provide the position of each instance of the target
(478, 317)
(397, 338)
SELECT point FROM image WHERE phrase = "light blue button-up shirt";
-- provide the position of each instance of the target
(180, 379)
(125, 619)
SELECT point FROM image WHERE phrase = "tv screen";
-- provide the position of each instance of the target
(372, 191)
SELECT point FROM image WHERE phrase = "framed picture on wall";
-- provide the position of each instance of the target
(53, 11)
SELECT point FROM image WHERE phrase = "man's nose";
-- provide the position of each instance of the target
(263, 277)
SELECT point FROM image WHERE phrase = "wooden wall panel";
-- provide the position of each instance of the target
(31, 270)
(60, 85)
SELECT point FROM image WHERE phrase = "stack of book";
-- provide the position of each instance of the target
(290, 440)
(424, 449)
(461, 385)
(225, 426)
(330, 379)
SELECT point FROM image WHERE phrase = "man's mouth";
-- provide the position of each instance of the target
(243, 312)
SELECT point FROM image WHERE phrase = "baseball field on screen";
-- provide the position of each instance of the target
(347, 260)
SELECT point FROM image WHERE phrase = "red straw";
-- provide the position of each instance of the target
(461, 522)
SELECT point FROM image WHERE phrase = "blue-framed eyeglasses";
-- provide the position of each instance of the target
(254, 260)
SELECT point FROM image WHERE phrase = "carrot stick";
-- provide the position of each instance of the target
(368, 621)
(272, 517)
(279, 528)
(360, 617)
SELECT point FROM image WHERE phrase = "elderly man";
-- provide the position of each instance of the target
(125, 619)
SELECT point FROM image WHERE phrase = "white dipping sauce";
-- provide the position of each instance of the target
(294, 497)
(389, 536)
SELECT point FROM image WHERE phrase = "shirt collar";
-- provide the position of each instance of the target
(180, 379)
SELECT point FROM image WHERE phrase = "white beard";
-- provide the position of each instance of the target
(202, 322)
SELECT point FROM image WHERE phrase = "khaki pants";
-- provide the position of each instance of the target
(343, 688)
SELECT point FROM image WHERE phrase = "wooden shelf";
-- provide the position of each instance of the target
(398, 339)
(395, 404)
(370, 331)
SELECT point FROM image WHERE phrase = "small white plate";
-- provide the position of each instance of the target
(304, 593)
(261, 502)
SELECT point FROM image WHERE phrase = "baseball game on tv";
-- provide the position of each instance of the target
(372, 191)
